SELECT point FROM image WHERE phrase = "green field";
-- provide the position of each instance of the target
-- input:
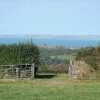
(54, 88)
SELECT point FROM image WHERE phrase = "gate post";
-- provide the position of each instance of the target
(32, 71)
(17, 73)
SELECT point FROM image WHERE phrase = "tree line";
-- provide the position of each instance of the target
(19, 53)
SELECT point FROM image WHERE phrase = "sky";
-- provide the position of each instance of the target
(60, 17)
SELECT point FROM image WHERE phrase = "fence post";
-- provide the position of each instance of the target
(32, 71)
(71, 69)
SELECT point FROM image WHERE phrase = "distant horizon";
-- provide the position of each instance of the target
(68, 41)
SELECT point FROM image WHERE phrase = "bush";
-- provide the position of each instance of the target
(91, 56)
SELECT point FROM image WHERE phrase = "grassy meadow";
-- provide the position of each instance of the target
(58, 87)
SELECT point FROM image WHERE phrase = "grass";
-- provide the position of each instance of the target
(56, 88)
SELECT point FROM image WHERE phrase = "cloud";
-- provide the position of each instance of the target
(7, 36)
(50, 36)
(68, 37)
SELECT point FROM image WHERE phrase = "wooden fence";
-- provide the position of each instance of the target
(20, 71)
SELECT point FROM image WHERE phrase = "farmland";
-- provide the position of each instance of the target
(52, 81)
(58, 87)
(55, 59)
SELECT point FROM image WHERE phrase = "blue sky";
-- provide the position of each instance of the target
(60, 17)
